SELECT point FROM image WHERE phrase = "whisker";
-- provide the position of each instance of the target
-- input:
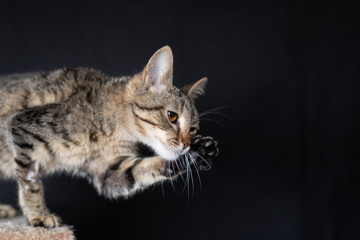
(213, 109)
(213, 120)
(189, 171)
(218, 113)
(203, 159)
(191, 177)
(187, 177)
(171, 180)
(181, 163)
(162, 183)
(181, 159)
(177, 165)
(196, 168)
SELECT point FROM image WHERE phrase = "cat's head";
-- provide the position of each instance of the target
(165, 117)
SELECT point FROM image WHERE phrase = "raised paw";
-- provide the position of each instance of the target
(7, 211)
(47, 221)
(200, 157)
(203, 150)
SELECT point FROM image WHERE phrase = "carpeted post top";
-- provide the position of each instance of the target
(17, 229)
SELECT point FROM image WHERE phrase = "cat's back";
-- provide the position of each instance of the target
(6, 79)
(27, 90)
(19, 91)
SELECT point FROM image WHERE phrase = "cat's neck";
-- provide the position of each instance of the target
(114, 111)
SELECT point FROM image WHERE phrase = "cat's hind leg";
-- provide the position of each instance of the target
(31, 196)
(7, 211)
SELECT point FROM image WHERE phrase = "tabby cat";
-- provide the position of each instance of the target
(79, 121)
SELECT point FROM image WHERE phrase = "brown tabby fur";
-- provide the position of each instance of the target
(82, 122)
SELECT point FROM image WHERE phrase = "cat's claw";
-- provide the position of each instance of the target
(203, 150)
(47, 221)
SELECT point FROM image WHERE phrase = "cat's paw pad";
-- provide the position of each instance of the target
(7, 211)
(203, 150)
(47, 221)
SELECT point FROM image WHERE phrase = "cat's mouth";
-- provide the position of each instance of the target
(172, 154)
(176, 152)
(166, 152)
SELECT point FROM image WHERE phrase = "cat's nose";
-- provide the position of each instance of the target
(186, 140)
(186, 144)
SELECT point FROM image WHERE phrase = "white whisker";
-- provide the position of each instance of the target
(188, 179)
(213, 120)
(212, 110)
(162, 183)
(218, 113)
(177, 165)
(171, 180)
(191, 176)
(196, 168)
(181, 162)
(203, 159)
(187, 176)
(162, 188)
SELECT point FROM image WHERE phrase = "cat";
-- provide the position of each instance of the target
(82, 122)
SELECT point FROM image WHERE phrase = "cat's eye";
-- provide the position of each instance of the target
(172, 116)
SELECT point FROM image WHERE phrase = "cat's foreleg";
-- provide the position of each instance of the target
(129, 175)
(31, 196)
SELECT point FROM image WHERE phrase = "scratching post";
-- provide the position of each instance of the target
(17, 229)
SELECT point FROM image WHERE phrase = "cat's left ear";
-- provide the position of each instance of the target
(195, 89)
(158, 73)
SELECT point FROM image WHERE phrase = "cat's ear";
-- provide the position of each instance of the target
(158, 73)
(195, 89)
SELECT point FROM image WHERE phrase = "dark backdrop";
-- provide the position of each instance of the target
(288, 73)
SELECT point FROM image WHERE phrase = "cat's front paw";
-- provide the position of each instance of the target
(203, 150)
(47, 221)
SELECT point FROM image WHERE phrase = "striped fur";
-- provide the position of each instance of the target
(83, 122)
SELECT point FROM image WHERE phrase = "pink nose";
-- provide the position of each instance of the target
(186, 144)
(185, 139)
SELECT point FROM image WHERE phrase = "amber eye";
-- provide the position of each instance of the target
(172, 116)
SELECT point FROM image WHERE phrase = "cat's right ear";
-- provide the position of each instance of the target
(158, 73)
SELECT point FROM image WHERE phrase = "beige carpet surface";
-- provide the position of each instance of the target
(17, 229)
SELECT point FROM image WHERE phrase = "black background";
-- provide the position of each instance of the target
(288, 73)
